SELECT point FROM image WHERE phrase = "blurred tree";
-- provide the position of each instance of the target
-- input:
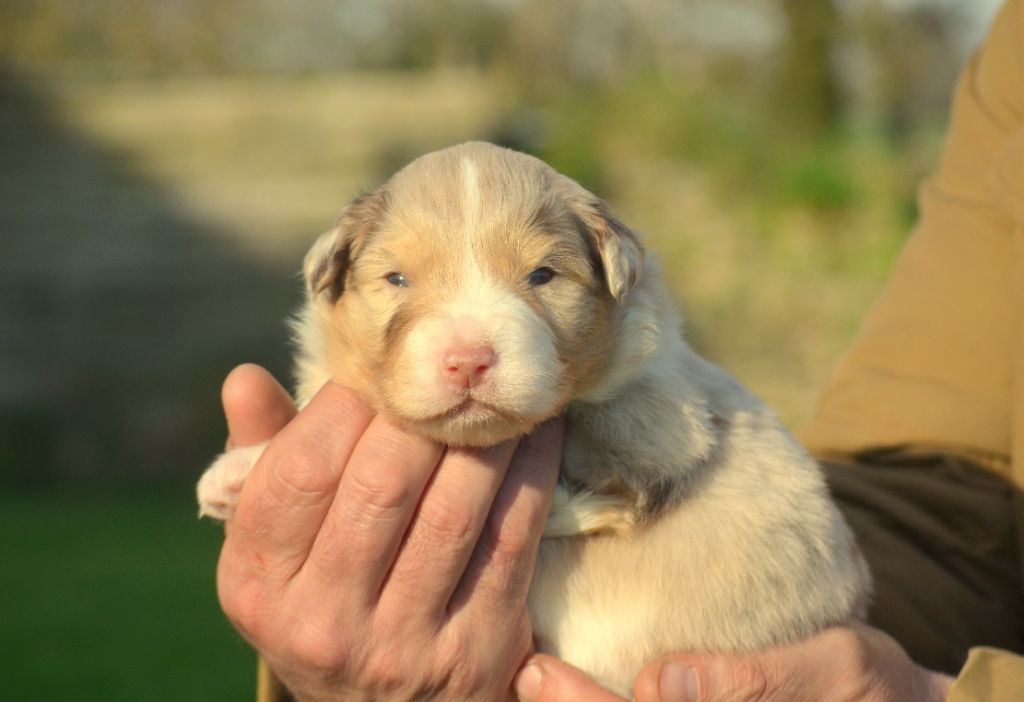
(914, 58)
(808, 92)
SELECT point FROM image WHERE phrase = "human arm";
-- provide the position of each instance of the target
(366, 562)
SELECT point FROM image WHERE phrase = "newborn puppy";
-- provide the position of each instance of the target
(478, 293)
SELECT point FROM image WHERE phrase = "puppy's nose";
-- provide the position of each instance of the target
(466, 366)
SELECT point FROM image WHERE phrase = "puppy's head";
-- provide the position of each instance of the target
(474, 294)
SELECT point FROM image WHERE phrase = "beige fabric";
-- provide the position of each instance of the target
(937, 363)
(989, 676)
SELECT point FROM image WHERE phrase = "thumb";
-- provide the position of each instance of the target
(708, 679)
(255, 405)
(547, 679)
(842, 663)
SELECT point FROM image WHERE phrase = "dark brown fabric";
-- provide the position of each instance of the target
(942, 539)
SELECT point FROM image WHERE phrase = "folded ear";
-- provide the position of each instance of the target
(620, 251)
(327, 262)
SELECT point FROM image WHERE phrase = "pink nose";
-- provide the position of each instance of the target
(466, 366)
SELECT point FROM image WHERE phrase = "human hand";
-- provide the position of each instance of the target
(367, 562)
(843, 664)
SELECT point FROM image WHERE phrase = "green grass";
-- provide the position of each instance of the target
(111, 597)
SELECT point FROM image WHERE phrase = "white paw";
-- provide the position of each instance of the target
(222, 482)
(585, 512)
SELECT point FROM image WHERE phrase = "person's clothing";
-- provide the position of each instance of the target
(989, 674)
(940, 536)
(938, 367)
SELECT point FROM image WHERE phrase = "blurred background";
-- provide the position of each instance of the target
(164, 164)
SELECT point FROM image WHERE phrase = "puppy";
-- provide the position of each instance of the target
(478, 293)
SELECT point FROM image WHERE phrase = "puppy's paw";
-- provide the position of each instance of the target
(585, 512)
(222, 482)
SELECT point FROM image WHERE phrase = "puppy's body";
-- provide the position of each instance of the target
(478, 293)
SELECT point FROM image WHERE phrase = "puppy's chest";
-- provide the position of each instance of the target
(614, 599)
(736, 548)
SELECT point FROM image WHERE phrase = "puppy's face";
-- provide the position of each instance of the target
(474, 294)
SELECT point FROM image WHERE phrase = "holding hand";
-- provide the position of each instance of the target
(367, 562)
(843, 664)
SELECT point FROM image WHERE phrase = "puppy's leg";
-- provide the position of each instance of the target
(585, 512)
(221, 484)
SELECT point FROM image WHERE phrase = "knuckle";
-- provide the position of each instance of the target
(855, 649)
(450, 520)
(303, 470)
(404, 672)
(378, 492)
(510, 539)
(463, 672)
(315, 645)
(236, 599)
(749, 681)
(244, 603)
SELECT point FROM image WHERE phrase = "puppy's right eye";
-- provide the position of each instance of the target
(397, 279)
(541, 276)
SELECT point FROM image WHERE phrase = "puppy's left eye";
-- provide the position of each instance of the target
(541, 276)
(397, 279)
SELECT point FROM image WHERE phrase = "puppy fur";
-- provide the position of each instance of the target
(686, 517)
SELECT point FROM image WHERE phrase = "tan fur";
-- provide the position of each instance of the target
(687, 518)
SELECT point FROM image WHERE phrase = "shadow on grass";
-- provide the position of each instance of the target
(119, 316)
(119, 312)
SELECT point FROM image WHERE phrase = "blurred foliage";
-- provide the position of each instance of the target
(818, 59)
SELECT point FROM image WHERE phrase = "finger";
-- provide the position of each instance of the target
(783, 674)
(291, 487)
(444, 531)
(255, 405)
(672, 679)
(841, 663)
(547, 679)
(380, 489)
(499, 573)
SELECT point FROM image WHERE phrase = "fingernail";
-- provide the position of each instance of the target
(528, 683)
(678, 683)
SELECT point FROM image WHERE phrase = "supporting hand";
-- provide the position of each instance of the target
(367, 562)
(843, 664)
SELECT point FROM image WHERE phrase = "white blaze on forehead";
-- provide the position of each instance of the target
(471, 197)
(474, 285)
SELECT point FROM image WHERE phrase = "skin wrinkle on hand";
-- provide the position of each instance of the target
(507, 604)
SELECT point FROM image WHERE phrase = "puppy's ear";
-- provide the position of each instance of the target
(327, 262)
(620, 252)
